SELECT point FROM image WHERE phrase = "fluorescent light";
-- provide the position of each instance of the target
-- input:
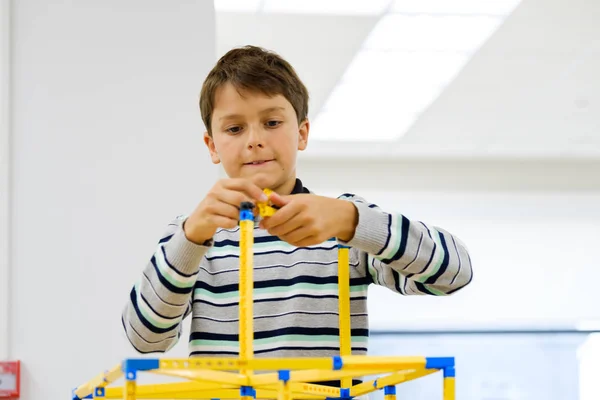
(487, 7)
(373, 101)
(381, 67)
(335, 7)
(433, 33)
(248, 6)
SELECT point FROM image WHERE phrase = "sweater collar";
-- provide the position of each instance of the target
(299, 188)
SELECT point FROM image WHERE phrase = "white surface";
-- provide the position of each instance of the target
(4, 177)
(533, 257)
(531, 229)
(589, 355)
(8, 382)
(107, 150)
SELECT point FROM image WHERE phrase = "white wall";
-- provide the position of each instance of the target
(106, 149)
(531, 227)
(4, 175)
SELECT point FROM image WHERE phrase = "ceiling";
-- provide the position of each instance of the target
(436, 78)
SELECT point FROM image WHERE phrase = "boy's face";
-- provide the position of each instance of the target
(256, 137)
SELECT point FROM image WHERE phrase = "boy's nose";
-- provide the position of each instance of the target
(255, 138)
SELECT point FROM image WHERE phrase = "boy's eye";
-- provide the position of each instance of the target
(273, 123)
(234, 129)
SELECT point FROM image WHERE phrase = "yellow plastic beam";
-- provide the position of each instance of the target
(246, 285)
(130, 390)
(318, 390)
(205, 375)
(389, 380)
(449, 388)
(344, 306)
(99, 381)
(296, 363)
(313, 375)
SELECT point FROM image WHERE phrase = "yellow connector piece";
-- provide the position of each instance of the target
(266, 209)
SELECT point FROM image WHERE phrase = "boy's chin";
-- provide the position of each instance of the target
(264, 181)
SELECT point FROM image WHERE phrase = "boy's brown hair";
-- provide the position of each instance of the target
(254, 69)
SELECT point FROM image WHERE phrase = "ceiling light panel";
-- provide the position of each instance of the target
(245, 6)
(331, 7)
(466, 7)
(431, 32)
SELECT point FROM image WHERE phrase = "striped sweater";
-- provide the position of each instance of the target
(295, 288)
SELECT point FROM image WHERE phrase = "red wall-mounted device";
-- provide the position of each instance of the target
(10, 379)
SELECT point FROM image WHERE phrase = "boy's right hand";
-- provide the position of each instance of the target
(220, 208)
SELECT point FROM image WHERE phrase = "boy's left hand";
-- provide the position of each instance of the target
(308, 219)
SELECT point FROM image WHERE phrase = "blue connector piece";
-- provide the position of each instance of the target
(449, 372)
(246, 211)
(341, 246)
(284, 375)
(439, 362)
(99, 392)
(247, 391)
(337, 363)
(131, 366)
(389, 390)
(344, 393)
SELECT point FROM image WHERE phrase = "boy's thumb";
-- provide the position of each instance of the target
(278, 200)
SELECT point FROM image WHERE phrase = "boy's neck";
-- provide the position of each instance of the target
(293, 186)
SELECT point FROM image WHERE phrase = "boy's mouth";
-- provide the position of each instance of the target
(258, 162)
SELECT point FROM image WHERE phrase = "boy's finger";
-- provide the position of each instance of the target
(232, 197)
(281, 216)
(279, 200)
(250, 189)
(225, 210)
(291, 225)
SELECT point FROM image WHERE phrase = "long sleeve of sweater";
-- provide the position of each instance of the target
(162, 297)
(407, 256)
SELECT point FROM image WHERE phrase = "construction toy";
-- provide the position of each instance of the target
(213, 378)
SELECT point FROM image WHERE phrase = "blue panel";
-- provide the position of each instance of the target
(337, 363)
(344, 393)
(284, 375)
(139, 364)
(439, 362)
(246, 215)
(247, 391)
(389, 390)
(449, 372)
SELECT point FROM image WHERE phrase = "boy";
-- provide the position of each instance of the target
(255, 109)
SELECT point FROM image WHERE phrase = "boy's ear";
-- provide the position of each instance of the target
(210, 143)
(303, 134)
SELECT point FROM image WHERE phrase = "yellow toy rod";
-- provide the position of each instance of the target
(344, 306)
(246, 284)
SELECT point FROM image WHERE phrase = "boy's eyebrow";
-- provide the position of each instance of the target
(230, 116)
(265, 111)
(270, 109)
